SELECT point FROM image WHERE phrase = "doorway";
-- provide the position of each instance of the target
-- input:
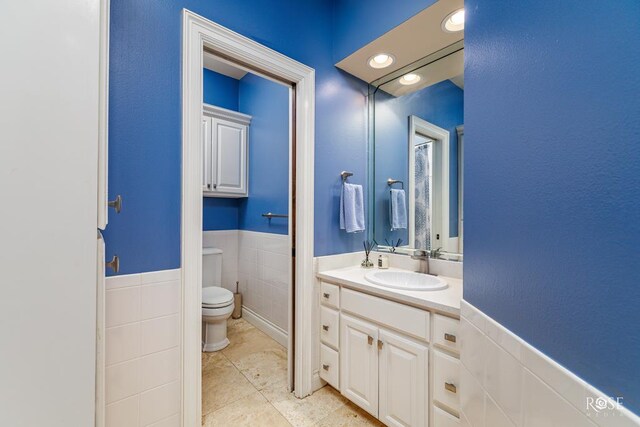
(200, 35)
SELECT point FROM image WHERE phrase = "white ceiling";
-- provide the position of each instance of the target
(414, 39)
(213, 63)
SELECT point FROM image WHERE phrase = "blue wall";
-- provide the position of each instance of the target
(268, 104)
(441, 104)
(145, 118)
(552, 175)
(357, 22)
(220, 90)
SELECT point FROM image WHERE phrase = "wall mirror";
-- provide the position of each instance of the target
(416, 119)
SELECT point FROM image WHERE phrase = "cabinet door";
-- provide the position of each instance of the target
(206, 153)
(229, 157)
(403, 370)
(359, 363)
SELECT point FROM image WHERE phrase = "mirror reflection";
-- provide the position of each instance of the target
(417, 131)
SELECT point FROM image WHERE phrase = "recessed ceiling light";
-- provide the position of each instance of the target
(381, 60)
(409, 79)
(454, 22)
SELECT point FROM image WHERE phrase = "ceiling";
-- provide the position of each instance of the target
(414, 39)
(213, 63)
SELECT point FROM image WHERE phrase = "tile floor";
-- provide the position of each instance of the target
(246, 385)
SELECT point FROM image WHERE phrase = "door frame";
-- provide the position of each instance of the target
(441, 136)
(198, 33)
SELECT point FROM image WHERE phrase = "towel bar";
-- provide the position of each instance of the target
(345, 175)
(392, 181)
(272, 215)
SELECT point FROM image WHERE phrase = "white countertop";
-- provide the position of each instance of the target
(444, 301)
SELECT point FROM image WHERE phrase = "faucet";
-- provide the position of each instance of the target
(424, 255)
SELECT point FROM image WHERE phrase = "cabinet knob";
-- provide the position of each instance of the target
(380, 344)
(325, 328)
(450, 387)
(326, 295)
(449, 337)
(370, 339)
(325, 367)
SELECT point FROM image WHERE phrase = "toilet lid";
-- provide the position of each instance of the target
(215, 296)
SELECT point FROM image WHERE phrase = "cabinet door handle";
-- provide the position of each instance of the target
(215, 186)
(325, 367)
(325, 328)
(380, 344)
(450, 337)
(326, 295)
(450, 387)
(370, 339)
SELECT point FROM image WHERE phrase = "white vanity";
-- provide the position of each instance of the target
(394, 353)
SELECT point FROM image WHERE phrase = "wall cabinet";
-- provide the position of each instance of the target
(387, 364)
(225, 152)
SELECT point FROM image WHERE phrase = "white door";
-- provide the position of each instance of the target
(359, 363)
(229, 151)
(49, 126)
(403, 370)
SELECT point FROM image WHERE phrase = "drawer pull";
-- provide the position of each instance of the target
(450, 387)
(325, 367)
(380, 344)
(370, 339)
(450, 337)
(325, 328)
(326, 295)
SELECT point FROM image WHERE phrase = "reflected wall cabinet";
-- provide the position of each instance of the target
(225, 152)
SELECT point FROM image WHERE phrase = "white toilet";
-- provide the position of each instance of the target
(217, 302)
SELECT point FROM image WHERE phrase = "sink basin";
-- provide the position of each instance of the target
(406, 280)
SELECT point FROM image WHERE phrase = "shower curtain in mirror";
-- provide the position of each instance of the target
(422, 189)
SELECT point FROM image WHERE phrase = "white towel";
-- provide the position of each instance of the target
(351, 208)
(397, 209)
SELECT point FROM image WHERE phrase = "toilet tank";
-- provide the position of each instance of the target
(211, 267)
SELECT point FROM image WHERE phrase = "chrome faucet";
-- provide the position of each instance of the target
(424, 255)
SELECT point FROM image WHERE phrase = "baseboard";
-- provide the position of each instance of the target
(265, 326)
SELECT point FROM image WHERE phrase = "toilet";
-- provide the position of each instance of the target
(217, 302)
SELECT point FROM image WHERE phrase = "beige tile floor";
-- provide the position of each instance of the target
(246, 385)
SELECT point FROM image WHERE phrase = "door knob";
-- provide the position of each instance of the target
(325, 327)
(116, 204)
(114, 264)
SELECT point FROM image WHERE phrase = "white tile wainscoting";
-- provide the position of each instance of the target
(506, 382)
(261, 263)
(143, 349)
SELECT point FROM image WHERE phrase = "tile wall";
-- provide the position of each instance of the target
(142, 349)
(505, 382)
(260, 262)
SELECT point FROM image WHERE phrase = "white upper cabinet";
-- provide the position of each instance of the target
(225, 148)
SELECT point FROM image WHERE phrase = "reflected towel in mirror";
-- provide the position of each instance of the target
(397, 209)
(351, 208)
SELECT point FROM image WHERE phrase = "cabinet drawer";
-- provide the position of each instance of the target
(329, 326)
(446, 380)
(442, 418)
(409, 320)
(329, 366)
(445, 332)
(330, 294)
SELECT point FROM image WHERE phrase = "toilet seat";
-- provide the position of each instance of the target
(216, 297)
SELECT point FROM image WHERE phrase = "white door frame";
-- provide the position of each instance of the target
(199, 32)
(441, 136)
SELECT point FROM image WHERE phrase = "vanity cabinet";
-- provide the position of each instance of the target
(397, 362)
(225, 152)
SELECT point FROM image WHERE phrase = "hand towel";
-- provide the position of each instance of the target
(351, 208)
(397, 209)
